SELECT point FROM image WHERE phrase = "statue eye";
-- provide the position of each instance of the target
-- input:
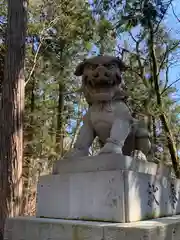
(111, 66)
(91, 66)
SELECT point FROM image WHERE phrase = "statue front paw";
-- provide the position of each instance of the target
(111, 147)
(139, 155)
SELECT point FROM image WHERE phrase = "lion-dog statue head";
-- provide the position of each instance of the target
(101, 78)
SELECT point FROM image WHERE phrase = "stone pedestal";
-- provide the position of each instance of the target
(31, 228)
(97, 192)
(111, 188)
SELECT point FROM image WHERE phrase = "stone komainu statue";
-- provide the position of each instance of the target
(108, 116)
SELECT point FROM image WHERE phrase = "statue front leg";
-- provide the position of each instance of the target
(120, 129)
(119, 132)
(83, 142)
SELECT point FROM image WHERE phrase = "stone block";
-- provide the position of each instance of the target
(109, 162)
(113, 196)
(89, 196)
(31, 228)
(149, 196)
(167, 228)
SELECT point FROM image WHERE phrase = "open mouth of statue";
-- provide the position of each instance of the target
(99, 90)
(101, 83)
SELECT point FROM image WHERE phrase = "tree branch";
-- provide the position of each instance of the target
(156, 29)
(42, 37)
(175, 13)
(170, 85)
(141, 68)
(165, 56)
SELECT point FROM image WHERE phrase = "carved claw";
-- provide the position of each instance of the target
(110, 147)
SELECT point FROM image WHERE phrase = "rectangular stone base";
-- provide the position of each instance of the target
(112, 196)
(95, 196)
(108, 187)
(30, 228)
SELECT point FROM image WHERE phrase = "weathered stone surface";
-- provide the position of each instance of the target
(167, 228)
(109, 162)
(31, 228)
(150, 196)
(89, 196)
(174, 195)
(127, 194)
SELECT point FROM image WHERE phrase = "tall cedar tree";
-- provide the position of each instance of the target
(11, 113)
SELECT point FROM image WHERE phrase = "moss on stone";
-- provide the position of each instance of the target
(75, 234)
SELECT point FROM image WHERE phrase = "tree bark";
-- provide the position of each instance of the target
(154, 130)
(2, 57)
(59, 129)
(60, 108)
(28, 150)
(11, 113)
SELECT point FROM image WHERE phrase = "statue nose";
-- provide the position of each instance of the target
(96, 74)
(99, 71)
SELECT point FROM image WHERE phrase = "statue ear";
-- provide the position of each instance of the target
(121, 64)
(79, 69)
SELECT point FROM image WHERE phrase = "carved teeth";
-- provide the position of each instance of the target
(101, 83)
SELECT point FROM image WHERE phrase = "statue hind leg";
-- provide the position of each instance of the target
(137, 144)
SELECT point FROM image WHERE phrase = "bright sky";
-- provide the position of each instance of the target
(174, 26)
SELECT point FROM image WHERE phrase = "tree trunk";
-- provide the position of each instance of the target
(11, 113)
(28, 151)
(169, 136)
(59, 129)
(154, 131)
(2, 57)
(60, 107)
